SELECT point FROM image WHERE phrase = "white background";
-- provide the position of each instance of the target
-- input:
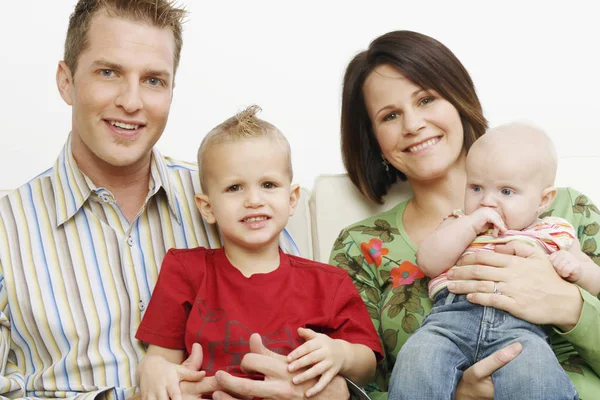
(535, 61)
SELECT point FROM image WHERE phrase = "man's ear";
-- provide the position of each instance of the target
(294, 197)
(548, 196)
(64, 82)
(203, 204)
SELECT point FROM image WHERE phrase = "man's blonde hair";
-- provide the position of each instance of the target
(159, 13)
(242, 126)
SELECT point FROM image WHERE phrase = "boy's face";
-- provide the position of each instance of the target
(509, 185)
(121, 91)
(248, 192)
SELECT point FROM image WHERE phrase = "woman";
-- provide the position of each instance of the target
(410, 112)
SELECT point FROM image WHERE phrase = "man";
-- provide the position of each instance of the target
(81, 244)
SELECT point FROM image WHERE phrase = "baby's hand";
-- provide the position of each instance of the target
(485, 217)
(326, 355)
(566, 264)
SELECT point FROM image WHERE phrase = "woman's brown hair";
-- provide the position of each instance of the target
(428, 64)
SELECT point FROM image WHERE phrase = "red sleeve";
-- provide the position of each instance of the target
(165, 319)
(350, 319)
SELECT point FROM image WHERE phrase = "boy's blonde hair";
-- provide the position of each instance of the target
(244, 125)
(159, 13)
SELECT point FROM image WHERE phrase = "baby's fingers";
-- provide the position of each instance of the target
(321, 384)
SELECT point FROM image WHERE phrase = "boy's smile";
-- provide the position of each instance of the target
(249, 193)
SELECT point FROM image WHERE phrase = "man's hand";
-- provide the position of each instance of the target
(278, 383)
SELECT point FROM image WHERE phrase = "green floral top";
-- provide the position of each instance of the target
(381, 259)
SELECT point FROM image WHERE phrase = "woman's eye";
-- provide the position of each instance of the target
(427, 100)
(390, 116)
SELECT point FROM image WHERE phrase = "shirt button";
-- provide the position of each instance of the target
(130, 241)
(105, 198)
(142, 305)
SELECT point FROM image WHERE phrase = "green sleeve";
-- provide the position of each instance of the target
(346, 254)
(579, 349)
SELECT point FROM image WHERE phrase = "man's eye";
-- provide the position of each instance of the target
(107, 72)
(154, 81)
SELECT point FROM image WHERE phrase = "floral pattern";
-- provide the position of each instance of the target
(373, 251)
(405, 274)
(381, 260)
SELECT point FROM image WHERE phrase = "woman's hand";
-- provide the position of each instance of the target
(526, 284)
(476, 382)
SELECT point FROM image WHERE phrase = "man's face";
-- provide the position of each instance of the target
(121, 92)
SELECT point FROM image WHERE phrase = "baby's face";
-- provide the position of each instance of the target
(506, 183)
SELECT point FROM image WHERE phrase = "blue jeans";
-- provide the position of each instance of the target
(457, 334)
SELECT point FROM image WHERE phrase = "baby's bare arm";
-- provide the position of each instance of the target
(441, 249)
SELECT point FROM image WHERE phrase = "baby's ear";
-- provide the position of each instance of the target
(203, 204)
(548, 196)
(294, 197)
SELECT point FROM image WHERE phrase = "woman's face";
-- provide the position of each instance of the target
(419, 132)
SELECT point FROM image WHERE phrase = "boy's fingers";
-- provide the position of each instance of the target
(323, 381)
(306, 333)
(186, 374)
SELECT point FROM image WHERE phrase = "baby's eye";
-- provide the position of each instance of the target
(269, 185)
(477, 188)
(234, 188)
(507, 192)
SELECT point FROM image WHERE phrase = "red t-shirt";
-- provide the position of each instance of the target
(201, 297)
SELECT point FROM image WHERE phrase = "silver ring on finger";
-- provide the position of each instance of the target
(496, 288)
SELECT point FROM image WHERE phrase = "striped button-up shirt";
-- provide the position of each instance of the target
(76, 276)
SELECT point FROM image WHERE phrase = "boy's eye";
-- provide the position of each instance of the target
(234, 188)
(268, 185)
(507, 192)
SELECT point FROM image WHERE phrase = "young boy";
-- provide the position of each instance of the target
(218, 298)
(510, 178)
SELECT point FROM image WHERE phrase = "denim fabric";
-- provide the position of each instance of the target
(456, 334)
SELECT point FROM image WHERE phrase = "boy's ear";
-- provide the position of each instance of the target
(294, 197)
(64, 82)
(548, 196)
(203, 204)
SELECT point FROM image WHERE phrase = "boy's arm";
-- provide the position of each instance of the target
(441, 249)
(359, 364)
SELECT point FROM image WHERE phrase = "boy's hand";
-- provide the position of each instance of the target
(326, 355)
(566, 264)
(159, 378)
(485, 218)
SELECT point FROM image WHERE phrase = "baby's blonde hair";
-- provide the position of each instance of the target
(244, 125)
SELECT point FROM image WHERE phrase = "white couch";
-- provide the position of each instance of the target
(334, 203)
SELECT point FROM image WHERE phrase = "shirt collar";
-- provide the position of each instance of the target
(72, 188)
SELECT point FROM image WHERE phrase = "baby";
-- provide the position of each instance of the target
(510, 183)
(306, 310)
